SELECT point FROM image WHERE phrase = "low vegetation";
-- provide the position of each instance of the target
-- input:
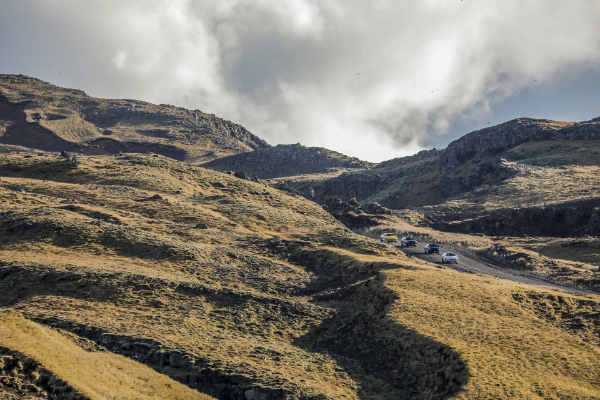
(52, 366)
(238, 290)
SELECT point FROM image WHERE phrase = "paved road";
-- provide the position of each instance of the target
(470, 262)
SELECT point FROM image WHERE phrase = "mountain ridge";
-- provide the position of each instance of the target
(37, 114)
(437, 174)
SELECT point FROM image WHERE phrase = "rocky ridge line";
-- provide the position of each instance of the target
(286, 160)
(39, 115)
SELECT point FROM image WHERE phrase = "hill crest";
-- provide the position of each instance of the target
(39, 115)
(286, 160)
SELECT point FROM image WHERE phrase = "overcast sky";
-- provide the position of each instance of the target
(374, 79)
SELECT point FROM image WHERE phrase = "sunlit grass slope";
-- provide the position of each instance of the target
(239, 290)
(511, 352)
(94, 374)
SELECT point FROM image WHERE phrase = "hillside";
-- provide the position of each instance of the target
(287, 160)
(242, 291)
(78, 368)
(36, 114)
(521, 177)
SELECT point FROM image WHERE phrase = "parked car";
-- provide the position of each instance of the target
(432, 248)
(388, 237)
(408, 241)
(449, 257)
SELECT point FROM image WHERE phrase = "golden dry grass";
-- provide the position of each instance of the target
(97, 375)
(275, 294)
(510, 352)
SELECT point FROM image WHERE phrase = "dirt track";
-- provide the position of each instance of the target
(469, 262)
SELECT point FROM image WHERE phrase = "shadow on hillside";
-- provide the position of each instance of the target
(386, 359)
(29, 134)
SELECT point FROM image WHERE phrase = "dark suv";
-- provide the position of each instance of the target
(408, 241)
(432, 248)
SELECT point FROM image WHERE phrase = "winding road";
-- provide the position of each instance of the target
(470, 262)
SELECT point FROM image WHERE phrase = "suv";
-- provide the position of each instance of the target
(388, 237)
(408, 241)
(432, 248)
(449, 257)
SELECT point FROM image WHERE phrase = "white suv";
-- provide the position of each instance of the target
(449, 257)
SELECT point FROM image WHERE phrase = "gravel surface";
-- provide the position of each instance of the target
(470, 262)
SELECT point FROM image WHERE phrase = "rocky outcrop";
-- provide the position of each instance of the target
(353, 215)
(286, 160)
(513, 133)
(38, 115)
(431, 176)
(569, 219)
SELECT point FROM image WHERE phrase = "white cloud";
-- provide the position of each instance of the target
(370, 79)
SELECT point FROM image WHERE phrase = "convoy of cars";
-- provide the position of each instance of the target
(447, 257)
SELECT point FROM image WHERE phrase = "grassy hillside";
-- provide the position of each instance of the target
(525, 177)
(239, 290)
(36, 114)
(41, 361)
(542, 173)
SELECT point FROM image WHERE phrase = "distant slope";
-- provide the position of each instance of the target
(286, 160)
(39, 115)
(524, 162)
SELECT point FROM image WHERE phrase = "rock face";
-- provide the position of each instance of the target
(571, 219)
(353, 215)
(286, 160)
(36, 114)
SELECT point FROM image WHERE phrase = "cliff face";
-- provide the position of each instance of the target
(286, 160)
(36, 114)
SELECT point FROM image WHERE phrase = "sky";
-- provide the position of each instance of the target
(372, 79)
